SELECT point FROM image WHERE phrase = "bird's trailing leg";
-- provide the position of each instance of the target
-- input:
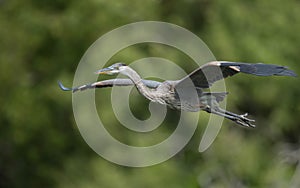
(239, 119)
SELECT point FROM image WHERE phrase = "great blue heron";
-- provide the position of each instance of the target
(169, 92)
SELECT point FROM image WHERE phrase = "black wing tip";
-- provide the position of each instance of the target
(276, 70)
(62, 87)
(262, 69)
(284, 71)
(288, 72)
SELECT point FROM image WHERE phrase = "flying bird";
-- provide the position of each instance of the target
(180, 94)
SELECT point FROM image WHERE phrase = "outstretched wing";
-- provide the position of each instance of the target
(109, 83)
(211, 72)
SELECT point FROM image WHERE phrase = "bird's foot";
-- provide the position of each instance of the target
(242, 120)
(243, 116)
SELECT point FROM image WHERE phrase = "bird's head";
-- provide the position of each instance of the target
(113, 69)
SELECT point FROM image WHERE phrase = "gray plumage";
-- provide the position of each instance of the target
(109, 83)
(187, 93)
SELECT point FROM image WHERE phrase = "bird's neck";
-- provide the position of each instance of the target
(137, 80)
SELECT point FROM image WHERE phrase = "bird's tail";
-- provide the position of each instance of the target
(219, 96)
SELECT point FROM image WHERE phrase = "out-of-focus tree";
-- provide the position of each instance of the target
(43, 41)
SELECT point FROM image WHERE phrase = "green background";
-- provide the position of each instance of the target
(43, 41)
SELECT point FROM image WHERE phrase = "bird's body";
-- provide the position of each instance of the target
(187, 93)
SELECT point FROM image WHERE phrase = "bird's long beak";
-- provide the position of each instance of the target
(104, 71)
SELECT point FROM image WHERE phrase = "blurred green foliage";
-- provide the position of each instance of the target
(43, 41)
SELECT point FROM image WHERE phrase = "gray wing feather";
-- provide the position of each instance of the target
(151, 83)
(211, 72)
(109, 83)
